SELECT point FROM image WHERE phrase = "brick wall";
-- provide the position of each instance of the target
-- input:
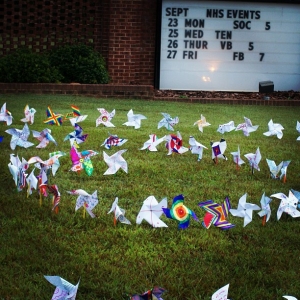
(122, 30)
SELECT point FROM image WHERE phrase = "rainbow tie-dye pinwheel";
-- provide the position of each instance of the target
(180, 212)
(53, 118)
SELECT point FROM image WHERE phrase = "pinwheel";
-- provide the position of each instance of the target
(155, 293)
(115, 162)
(244, 210)
(196, 147)
(19, 137)
(265, 208)
(119, 213)
(53, 118)
(5, 115)
(64, 290)
(44, 137)
(29, 115)
(202, 123)
(76, 137)
(53, 189)
(180, 212)
(151, 212)
(76, 116)
(226, 127)
(247, 127)
(237, 158)
(274, 129)
(221, 294)
(218, 149)
(18, 170)
(297, 195)
(298, 129)
(174, 144)
(289, 297)
(32, 182)
(168, 122)
(254, 160)
(82, 160)
(134, 120)
(153, 142)
(113, 140)
(216, 214)
(105, 118)
(274, 170)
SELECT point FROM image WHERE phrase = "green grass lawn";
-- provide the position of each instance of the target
(259, 262)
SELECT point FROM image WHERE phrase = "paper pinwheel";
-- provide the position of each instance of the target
(105, 118)
(53, 189)
(180, 212)
(76, 137)
(5, 115)
(174, 144)
(32, 182)
(298, 129)
(288, 205)
(154, 294)
(44, 137)
(119, 213)
(244, 210)
(82, 160)
(297, 195)
(53, 118)
(274, 170)
(19, 137)
(247, 127)
(168, 122)
(115, 162)
(196, 147)
(85, 200)
(237, 158)
(76, 116)
(226, 127)
(216, 214)
(218, 149)
(254, 160)
(274, 129)
(151, 212)
(29, 115)
(64, 290)
(221, 294)
(134, 120)
(289, 297)
(17, 169)
(153, 142)
(43, 183)
(113, 140)
(202, 123)
(265, 208)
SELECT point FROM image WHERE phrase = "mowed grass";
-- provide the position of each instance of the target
(259, 262)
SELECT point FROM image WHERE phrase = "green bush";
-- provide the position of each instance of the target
(79, 63)
(23, 65)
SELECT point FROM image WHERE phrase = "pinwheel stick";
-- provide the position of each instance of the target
(84, 212)
(284, 178)
(252, 169)
(237, 163)
(41, 198)
(264, 220)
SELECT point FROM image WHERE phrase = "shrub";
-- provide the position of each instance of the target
(23, 65)
(79, 63)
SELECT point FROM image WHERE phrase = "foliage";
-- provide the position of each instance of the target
(79, 63)
(259, 262)
(23, 65)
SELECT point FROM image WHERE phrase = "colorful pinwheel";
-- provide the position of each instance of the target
(155, 293)
(29, 115)
(5, 115)
(105, 118)
(44, 137)
(174, 144)
(113, 140)
(202, 123)
(19, 137)
(76, 137)
(53, 118)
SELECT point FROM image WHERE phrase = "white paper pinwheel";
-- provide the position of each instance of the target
(113, 140)
(288, 205)
(17, 169)
(119, 213)
(76, 116)
(265, 207)
(244, 210)
(29, 115)
(202, 123)
(5, 115)
(64, 290)
(32, 182)
(44, 137)
(153, 142)
(254, 159)
(274, 170)
(289, 297)
(221, 294)
(151, 212)
(218, 149)
(76, 137)
(115, 162)
(227, 127)
(168, 122)
(134, 120)
(297, 195)
(19, 137)
(174, 144)
(274, 129)
(298, 129)
(237, 157)
(196, 147)
(247, 127)
(105, 118)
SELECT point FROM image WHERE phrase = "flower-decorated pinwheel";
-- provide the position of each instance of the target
(274, 129)
(115, 162)
(196, 147)
(168, 122)
(82, 160)
(134, 120)
(218, 149)
(19, 137)
(247, 127)
(154, 294)
(17, 169)
(5, 115)
(174, 144)
(105, 118)
(76, 137)
(216, 214)
(226, 127)
(119, 213)
(29, 115)
(44, 137)
(265, 208)
(237, 158)
(153, 142)
(113, 140)
(180, 212)
(254, 159)
(53, 118)
(202, 123)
